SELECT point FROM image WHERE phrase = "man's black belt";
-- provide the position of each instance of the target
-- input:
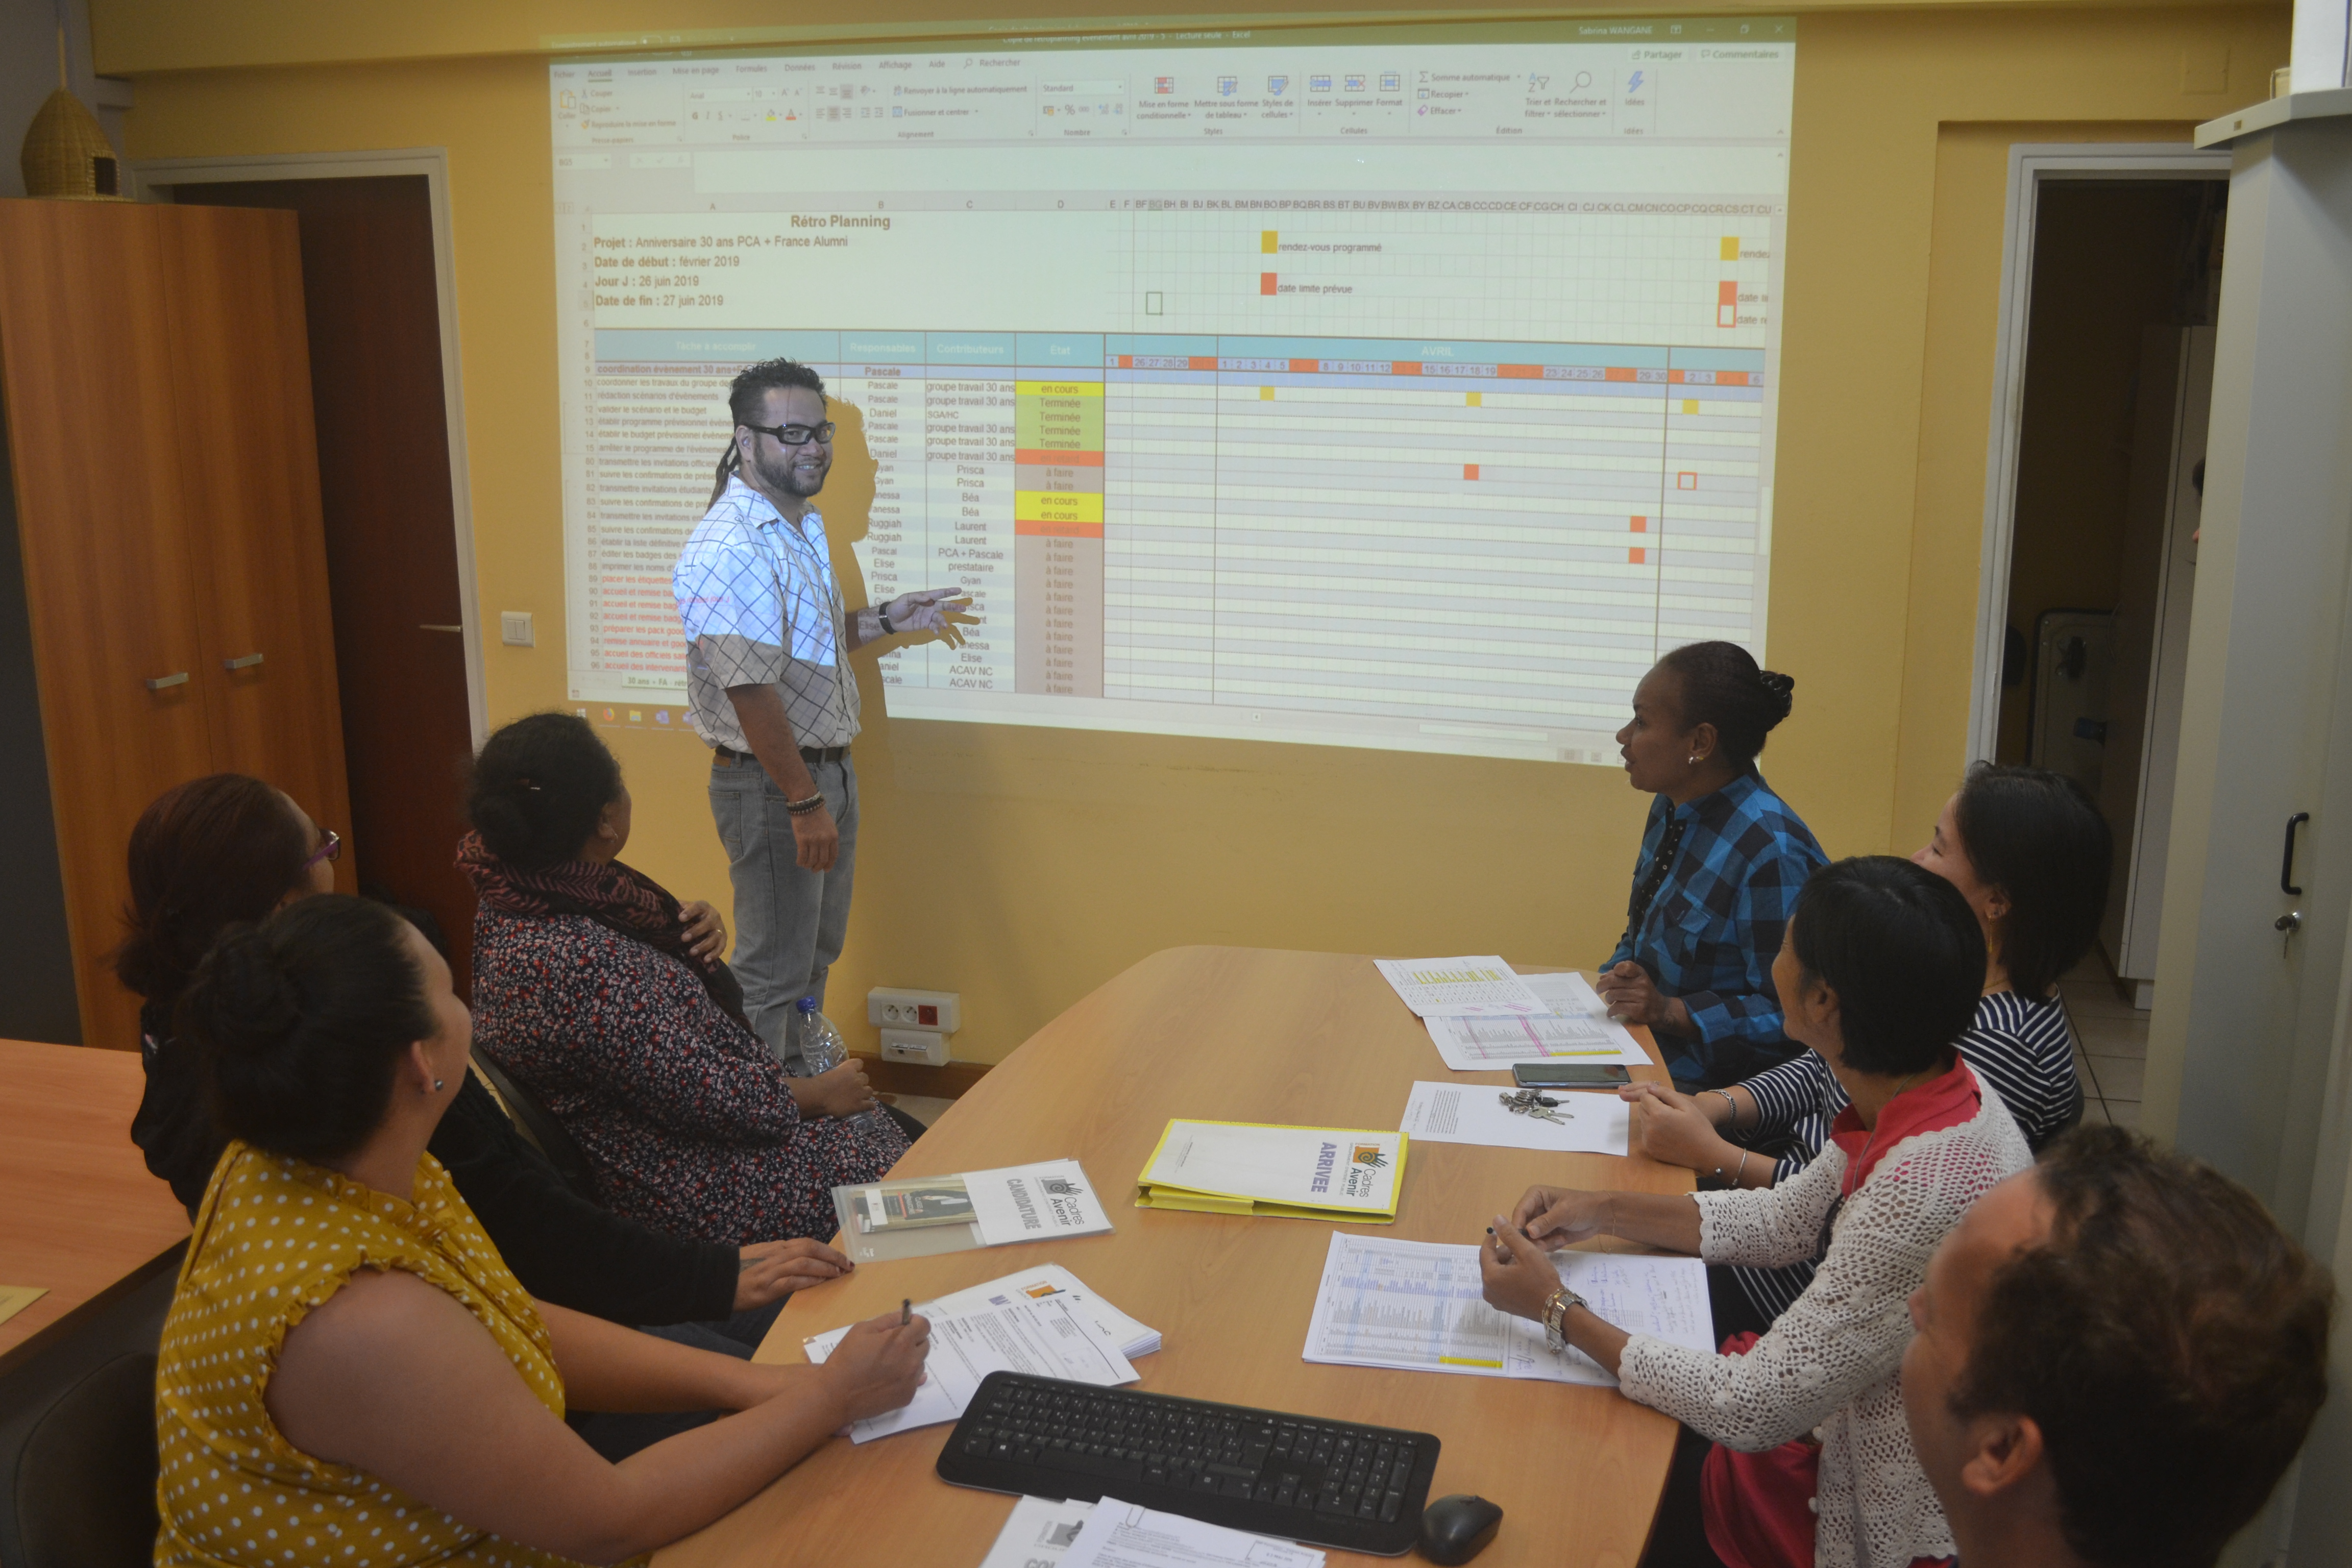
(808, 754)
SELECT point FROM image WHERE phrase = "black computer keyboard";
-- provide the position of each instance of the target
(1332, 1483)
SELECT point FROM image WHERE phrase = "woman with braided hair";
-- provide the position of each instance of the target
(609, 1000)
(1722, 861)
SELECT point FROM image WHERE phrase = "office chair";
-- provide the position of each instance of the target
(539, 1128)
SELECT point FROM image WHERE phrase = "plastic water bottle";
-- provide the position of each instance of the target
(823, 1050)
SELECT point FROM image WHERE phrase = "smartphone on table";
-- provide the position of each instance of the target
(1568, 1075)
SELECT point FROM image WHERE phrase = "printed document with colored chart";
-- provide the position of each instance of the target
(1576, 1027)
(1483, 987)
(1420, 1306)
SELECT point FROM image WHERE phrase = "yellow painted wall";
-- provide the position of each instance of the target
(1024, 866)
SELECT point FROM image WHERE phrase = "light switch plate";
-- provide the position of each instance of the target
(514, 629)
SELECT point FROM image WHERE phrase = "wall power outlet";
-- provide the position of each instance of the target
(892, 1007)
(922, 1046)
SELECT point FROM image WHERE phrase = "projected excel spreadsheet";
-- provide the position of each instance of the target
(1362, 391)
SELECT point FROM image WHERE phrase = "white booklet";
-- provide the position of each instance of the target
(1574, 1026)
(914, 1216)
(1023, 1323)
(1475, 1113)
(1042, 1533)
(1421, 1306)
(1459, 987)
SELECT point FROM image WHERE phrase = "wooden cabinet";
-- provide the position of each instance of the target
(155, 382)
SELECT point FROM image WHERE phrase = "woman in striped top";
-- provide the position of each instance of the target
(2030, 853)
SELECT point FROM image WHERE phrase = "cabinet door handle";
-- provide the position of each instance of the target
(429, 626)
(2287, 857)
(248, 662)
(162, 681)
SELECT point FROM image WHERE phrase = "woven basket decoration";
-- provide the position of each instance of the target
(68, 156)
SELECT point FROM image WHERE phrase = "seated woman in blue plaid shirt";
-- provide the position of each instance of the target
(1722, 861)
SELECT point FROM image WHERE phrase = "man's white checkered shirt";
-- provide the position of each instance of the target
(761, 605)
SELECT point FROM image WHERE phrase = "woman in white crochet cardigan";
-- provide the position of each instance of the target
(1812, 1462)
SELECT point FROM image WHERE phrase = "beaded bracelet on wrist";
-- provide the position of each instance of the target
(802, 807)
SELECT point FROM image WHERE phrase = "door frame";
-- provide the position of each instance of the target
(2031, 165)
(432, 163)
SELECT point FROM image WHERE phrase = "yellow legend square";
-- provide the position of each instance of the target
(1690, 405)
(1731, 248)
(1266, 395)
(1475, 399)
(1267, 238)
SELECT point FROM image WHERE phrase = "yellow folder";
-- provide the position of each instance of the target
(1288, 1172)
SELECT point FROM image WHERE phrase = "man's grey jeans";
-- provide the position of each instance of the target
(788, 923)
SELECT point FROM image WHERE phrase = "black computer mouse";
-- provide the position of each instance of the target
(1456, 1528)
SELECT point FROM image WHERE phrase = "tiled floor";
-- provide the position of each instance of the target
(2112, 1035)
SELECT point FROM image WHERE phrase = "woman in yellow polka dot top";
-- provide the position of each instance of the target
(350, 1376)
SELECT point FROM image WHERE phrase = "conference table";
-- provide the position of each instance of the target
(80, 1216)
(1237, 1034)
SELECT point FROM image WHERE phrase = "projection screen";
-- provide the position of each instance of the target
(1381, 387)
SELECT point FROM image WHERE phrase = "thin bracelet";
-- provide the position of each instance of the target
(1729, 1102)
(802, 807)
(1741, 1172)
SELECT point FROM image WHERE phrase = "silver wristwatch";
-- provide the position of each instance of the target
(1555, 1314)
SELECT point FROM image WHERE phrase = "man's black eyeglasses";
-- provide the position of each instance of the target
(796, 435)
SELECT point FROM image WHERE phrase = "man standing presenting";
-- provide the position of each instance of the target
(770, 687)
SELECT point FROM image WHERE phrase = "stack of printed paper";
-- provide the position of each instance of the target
(1421, 1306)
(1482, 987)
(1042, 1322)
(1571, 1025)
(1294, 1172)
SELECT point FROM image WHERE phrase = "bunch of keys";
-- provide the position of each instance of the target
(1530, 1102)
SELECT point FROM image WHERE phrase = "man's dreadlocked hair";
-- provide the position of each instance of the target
(744, 398)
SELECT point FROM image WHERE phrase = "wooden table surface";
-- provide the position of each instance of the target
(1241, 1035)
(79, 1213)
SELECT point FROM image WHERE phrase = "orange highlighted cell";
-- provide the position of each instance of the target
(1618, 372)
(1641, 525)
(1520, 371)
(1469, 470)
(1266, 282)
(1037, 528)
(1636, 556)
(1734, 378)
(1727, 303)
(1305, 367)
(1202, 362)
(1404, 367)
(1055, 456)
(1686, 480)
